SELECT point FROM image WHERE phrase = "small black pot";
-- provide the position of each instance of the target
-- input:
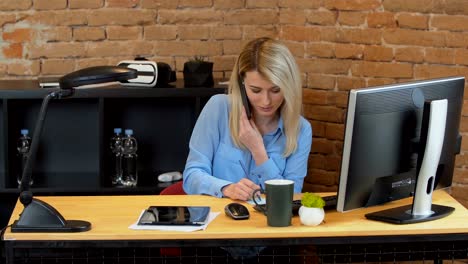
(198, 74)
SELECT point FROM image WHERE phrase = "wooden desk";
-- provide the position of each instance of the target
(112, 215)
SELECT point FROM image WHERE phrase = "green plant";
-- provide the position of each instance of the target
(198, 58)
(312, 200)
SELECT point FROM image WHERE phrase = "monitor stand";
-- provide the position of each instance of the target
(422, 209)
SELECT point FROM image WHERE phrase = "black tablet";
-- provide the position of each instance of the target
(175, 215)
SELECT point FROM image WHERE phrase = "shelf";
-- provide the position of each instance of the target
(74, 155)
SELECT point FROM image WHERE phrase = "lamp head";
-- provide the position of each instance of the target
(95, 75)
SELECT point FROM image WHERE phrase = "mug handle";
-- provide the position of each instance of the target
(262, 207)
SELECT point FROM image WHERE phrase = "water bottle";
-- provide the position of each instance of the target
(116, 152)
(23, 145)
(129, 159)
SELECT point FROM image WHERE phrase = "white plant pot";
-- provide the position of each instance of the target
(311, 216)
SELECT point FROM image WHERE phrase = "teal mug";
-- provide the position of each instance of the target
(279, 196)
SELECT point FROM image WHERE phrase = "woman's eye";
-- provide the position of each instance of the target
(256, 90)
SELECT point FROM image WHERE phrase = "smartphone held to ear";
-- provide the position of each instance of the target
(245, 100)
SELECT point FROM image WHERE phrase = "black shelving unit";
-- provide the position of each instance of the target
(74, 156)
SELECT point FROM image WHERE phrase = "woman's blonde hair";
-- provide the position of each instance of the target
(273, 60)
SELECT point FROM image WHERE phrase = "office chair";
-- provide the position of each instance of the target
(174, 189)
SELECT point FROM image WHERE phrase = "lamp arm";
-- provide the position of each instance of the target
(26, 194)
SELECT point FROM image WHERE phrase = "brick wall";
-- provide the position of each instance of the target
(339, 44)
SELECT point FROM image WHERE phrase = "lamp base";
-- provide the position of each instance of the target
(39, 216)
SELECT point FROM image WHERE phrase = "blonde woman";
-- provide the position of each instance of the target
(232, 155)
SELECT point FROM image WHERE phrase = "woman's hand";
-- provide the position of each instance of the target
(252, 139)
(242, 190)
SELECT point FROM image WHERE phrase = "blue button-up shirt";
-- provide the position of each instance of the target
(214, 161)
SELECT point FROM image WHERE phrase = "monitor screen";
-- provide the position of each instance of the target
(382, 140)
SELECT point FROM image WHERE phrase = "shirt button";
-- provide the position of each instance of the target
(259, 176)
(216, 193)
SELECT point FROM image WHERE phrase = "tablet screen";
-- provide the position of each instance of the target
(175, 215)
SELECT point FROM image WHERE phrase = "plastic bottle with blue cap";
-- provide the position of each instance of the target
(116, 152)
(129, 159)
(23, 146)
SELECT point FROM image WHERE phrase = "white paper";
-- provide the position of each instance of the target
(260, 200)
(182, 228)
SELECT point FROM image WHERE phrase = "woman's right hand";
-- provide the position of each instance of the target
(242, 190)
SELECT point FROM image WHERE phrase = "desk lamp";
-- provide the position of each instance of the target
(37, 215)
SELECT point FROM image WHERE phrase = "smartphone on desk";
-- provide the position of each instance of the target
(245, 100)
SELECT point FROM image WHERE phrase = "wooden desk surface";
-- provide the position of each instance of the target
(112, 215)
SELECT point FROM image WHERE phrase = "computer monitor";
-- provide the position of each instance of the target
(385, 142)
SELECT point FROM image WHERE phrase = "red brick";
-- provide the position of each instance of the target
(90, 62)
(381, 20)
(7, 18)
(232, 47)
(372, 82)
(327, 66)
(122, 3)
(356, 5)
(338, 99)
(49, 4)
(348, 51)
(345, 83)
(300, 33)
(261, 3)
(124, 32)
(292, 16)
(323, 146)
(382, 69)
(85, 4)
(227, 4)
(24, 68)
(323, 50)
(161, 32)
(89, 34)
(57, 66)
(314, 97)
(324, 113)
(414, 21)
(189, 16)
(223, 63)
(251, 32)
(456, 7)
(359, 36)
(321, 81)
(457, 39)
(56, 50)
(54, 34)
(199, 32)
(18, 35)
(8, 5)
(452, 23)
(416, 6)
(188, 48)
(378, 53)
(251, 17)
(439, 55)
(300, 4)
(119, 16)
(414, 37)
(56, 18)
(195, 3)
(461, 57)
(351, 18)
(434, 71)
(318, 128)
(335, 131)
(168, 4)
(296, 48)
(409, 54)
(113, 48)
(13, 51)
(321, 17)
(226, 32)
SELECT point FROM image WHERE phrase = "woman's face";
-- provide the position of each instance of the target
(265, 97)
